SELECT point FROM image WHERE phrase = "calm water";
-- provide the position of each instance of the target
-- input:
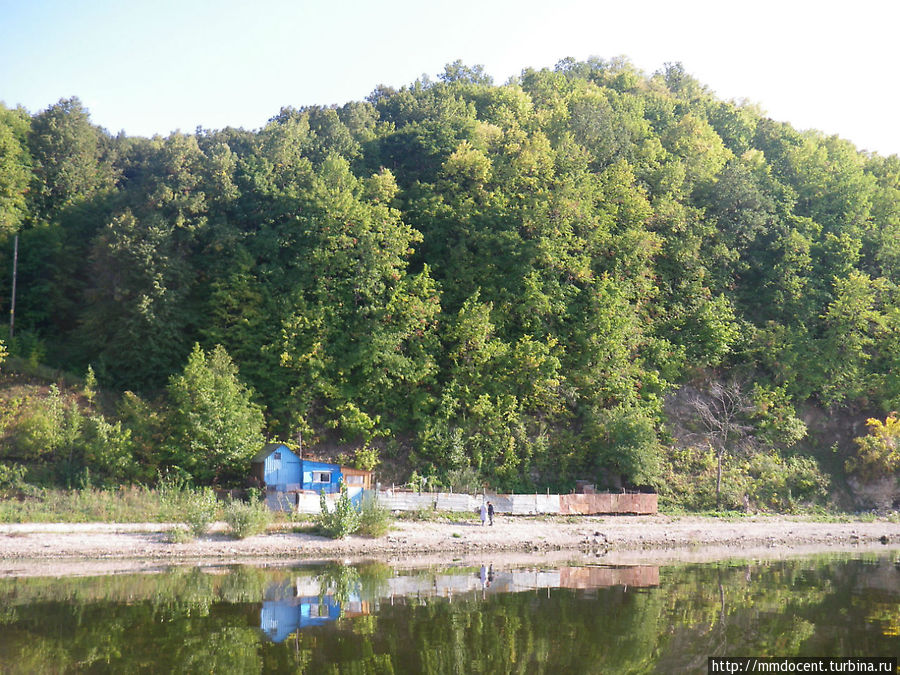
(481, 619)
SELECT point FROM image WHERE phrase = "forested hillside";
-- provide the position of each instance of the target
(587, 273)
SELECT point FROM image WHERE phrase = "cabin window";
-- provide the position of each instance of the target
(276, 461)
(321, 476)
(354, 479)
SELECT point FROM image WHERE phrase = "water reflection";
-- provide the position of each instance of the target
(316, 599)
(484, 617)
(279, 618)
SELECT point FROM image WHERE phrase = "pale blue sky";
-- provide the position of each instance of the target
(154, 66)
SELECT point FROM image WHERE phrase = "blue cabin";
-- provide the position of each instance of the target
(321, 476)
(280, 468)
(277, 467)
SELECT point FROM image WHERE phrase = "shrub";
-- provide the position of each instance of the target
(781, 484)
(689, 480)
(180, 535)
(878, 453)
(465, 480)
(195, 507)
(374, 519)
(172, 489)
(343, 520)
(246, 519)
(366, 458)
(200, 509)
(12, 477)
(764, 480)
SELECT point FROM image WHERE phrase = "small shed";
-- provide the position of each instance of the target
(357, 478)
(277, 467)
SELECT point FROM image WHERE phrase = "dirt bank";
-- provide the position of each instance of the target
(28, 548)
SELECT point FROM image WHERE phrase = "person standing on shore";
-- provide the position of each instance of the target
(490, 512)
(483, 513)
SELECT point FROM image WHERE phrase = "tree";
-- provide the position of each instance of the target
(851, 322)
(15, 168)
(70, 157)
(216, 427)
(722, 412)
(140, 281)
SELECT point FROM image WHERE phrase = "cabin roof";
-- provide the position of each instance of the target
(267, 450)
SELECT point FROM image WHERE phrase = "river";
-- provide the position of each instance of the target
(453, 618)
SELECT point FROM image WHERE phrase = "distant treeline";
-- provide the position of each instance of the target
(529, 283)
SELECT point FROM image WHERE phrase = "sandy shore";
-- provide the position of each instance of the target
(27, 549)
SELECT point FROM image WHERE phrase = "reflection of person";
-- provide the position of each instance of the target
(490, 575)
(483, 512)
(491, 512)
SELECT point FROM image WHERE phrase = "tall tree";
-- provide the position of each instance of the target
(216, 427)
(70, 155)
(15, 168)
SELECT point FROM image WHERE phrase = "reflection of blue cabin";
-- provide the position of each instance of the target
(280, 468)
(280, 618)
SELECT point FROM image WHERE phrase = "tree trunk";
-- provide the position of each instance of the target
(718, 478)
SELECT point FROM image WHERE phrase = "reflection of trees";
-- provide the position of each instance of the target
(804, 608)
(341, 581)
(373, 580)
(367, 581)
(184, 619)
(196, 621)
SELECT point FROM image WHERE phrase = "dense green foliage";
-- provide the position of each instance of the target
(509, 279)
(878, 452)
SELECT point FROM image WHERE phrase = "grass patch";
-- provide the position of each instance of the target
(48, 505)
(424, 515)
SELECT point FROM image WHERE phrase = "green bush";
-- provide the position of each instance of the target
(12, 477)
(374, 519)
(342, 520)
(766, 481)
(180, 535)
(465, 481)
(689, 480)
(782, 484)
(195, 507)
(200, 510)
(172, 489)
(247, 519)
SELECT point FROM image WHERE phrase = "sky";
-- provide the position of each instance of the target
(150, 67)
